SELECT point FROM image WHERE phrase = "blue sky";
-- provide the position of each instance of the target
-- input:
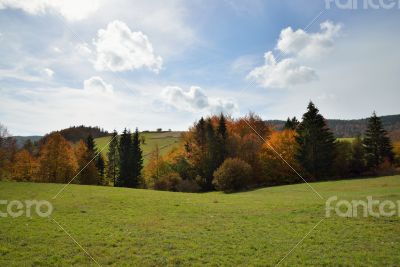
(155, 64)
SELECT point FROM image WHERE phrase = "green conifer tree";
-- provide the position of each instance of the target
(113, 158)
(377, 144)
(316, 151)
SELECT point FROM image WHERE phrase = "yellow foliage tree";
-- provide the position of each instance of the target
(24, 167)
(89, 174)
(57, 160)
(275, 170)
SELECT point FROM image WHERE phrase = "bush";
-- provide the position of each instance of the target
(189, 186)
(233, 175)
(167, 182)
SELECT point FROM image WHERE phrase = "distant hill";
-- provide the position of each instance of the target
(352, 128)
(76, 133)
(22, 139)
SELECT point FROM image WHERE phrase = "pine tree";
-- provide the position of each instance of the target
(113, 158)
(378, 147)
(357, 163)
(291, 124)
(137, 160)
(221, 139)
(211, 163)
(316, 144)
(125, 159)
(89, 174)
(101, 165)
(92, 150)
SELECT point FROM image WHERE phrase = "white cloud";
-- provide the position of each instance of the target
(83, 49)
(301, 46)
(48, 72)
(120, 49)
(97, 85)
(285, 73)
(72, 9)
(308, 45)
(194, 100)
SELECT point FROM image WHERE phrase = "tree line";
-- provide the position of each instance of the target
(57, 160)
(216, 153)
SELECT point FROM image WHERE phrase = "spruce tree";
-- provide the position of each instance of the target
(113, 158)
(222, 136)
(357, 162)
(211, 163)
(316, 151)
(291, 124)
(125, 159)
(378, 147)
(101, 165)
(91, 147)
(137, 160)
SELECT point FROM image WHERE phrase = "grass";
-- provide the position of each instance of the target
(133, 227)
(165, 141)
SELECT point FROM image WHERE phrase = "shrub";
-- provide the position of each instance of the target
(167, 182)
(189, 186)
(233, 175)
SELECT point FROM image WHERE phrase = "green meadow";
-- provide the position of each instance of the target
(165, 141)
(134, 227)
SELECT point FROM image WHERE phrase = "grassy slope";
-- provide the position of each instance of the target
(128, 227)
(165, 140)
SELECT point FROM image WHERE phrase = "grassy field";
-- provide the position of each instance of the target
(165, 141)
(133, 227)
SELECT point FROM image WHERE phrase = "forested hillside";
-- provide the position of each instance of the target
(352, 128)
(76, 133)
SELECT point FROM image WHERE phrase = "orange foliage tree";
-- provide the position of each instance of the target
(89, 174)
(57, 160)
(275, 170)
(24, 167)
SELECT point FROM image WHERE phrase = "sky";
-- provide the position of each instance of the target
(164, 64)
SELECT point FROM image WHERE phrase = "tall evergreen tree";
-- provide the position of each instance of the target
(125, 159)
(101, 165)
(137, 160)
(316, 144)
(98, 161)
(113, 158)
(378, 147)
(357, 162)
(291, 124)
(211, 163)
(222, 136)
(91, 147)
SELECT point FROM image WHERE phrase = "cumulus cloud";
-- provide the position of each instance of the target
(97, 85)
(285, 73)
(308, 45)
(83, 49)
(300, 46)
(48, 72)
(194, 100)
(72, 9)
(120, 49)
